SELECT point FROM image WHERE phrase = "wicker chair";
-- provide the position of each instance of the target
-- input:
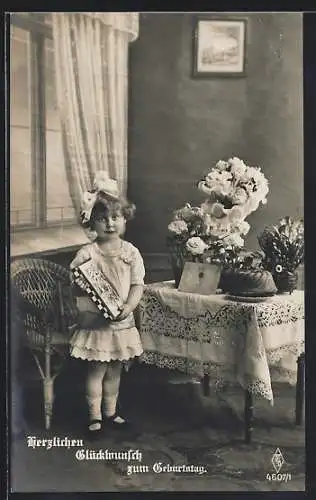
(47, 310)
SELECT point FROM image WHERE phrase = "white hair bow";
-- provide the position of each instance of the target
(102, 184)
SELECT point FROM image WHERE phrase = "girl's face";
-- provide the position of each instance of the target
(109, 225)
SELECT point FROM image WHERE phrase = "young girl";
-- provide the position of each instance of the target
(103, 343)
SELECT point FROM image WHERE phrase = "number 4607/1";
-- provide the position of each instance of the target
(279, 477)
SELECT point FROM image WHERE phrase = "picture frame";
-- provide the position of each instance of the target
(219, 47)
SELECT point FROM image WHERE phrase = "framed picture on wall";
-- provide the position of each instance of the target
(219, 47)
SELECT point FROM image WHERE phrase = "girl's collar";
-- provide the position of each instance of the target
(109, 253)
(124, 252)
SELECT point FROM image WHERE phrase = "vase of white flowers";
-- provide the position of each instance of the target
(185, 240)
(213, 232)
(283, 247)
(234, 190)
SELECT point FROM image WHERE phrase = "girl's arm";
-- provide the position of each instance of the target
(133, 299)
(81, 256)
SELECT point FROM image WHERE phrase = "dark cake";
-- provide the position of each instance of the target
(254, 283)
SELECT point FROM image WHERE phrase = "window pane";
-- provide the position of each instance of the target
(52, 116)
(20, 77)
(59, 203)
(20, 140)
(21, 177)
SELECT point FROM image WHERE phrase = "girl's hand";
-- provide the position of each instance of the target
(126, 311)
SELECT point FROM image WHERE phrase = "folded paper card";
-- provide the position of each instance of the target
(200, 278)
(90, 279)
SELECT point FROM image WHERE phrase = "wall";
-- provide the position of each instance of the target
(180, 126)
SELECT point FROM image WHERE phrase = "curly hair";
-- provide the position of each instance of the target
(105, 204)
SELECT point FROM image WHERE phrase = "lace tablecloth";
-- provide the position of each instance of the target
(252, 343)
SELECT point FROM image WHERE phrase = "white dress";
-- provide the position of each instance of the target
(97, 338)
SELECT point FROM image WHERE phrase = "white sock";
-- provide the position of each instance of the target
(94, 408)
(110, 408)
(111, 385)
(110, 405)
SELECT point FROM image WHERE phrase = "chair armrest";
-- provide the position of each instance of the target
(59, 339)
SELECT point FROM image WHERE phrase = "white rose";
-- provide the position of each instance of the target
(263, 190)
(243, 227)
(202, 186)
(224, 188)
(219, 181)
(252, 172)
(213, 176)
(235, 214)
(221, 165)
(234, 239)
(216, 181)
(245, 178)
(239, 197)
(225, 176)
(238, 168)
(196, 246)
(218, 211)
(252, 204)
(178, 227)
(220, 231)
(184, 212)
(256, 174)
(264, 201)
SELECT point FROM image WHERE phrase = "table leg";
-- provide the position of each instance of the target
(206, 385)
(48, 383)
(248, 416)
(300, 389)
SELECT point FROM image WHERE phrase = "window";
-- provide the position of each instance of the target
(22, 206)
(38, 183)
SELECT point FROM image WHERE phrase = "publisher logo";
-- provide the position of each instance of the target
(277, 460)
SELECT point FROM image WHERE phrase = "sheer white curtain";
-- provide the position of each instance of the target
(91, 62)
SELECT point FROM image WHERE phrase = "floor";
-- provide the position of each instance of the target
(173, 423)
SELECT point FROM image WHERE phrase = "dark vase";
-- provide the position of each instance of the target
(286, 282)
(177, 268)
(226, 282)
(177, 272)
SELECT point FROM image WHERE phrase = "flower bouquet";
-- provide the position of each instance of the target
(234, 190)
(186, 239)
(213, 232)
(283, 247)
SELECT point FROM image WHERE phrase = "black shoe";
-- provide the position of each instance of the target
(91, 433)
(117, 422)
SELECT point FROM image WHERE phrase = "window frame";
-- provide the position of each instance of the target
(39, 32)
